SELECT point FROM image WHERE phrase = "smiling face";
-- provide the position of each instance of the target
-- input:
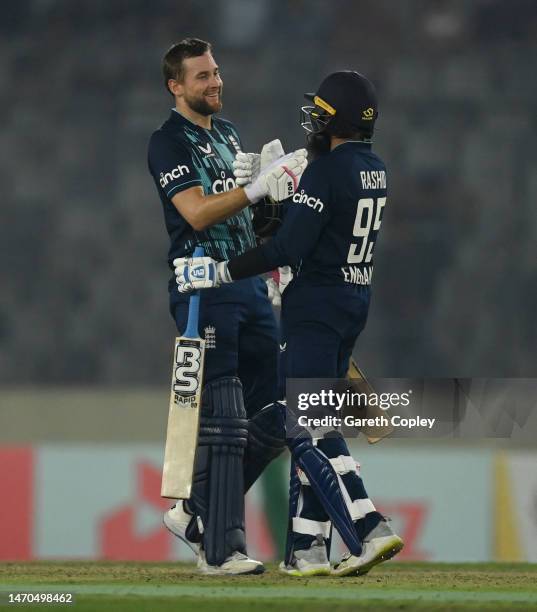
(200, 89)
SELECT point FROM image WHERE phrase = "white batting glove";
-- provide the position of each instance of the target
(274, 295)
(277, 283)
(280, 179)
(192, 273)
(247, 166)
(285, 277)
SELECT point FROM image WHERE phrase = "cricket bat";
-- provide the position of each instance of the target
(360, 384)
(185, 403)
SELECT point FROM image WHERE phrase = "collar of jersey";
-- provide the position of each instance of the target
(177, 117)
(366, 146)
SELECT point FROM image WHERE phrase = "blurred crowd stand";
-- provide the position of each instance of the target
(84, 280)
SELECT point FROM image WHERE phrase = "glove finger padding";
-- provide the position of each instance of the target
(280, 179)
(270, 152)
(283, 181)
(241, 173)
(246, 165)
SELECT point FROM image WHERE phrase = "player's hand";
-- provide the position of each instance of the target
(247, 166)
(277, 283)
(285, 276)
(273, 292)
(280, 179)
(192, 273)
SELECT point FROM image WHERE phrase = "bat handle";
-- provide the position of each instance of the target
(192, 324)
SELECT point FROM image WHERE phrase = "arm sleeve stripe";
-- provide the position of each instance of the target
(182, 185)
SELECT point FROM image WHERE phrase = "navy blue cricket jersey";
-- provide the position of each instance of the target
(182, 155)
(331, 223)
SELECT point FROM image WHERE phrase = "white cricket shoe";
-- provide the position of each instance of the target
(310, 562)
(176, 521)
(237, 563)
(379, 545)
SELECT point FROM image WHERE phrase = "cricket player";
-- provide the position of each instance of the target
(190, 158)
(328, 236)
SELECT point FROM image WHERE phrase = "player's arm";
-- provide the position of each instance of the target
(171, 166)
(202, 211)
(173, 169)
(277, 180)
(305, 219)
(298, 235)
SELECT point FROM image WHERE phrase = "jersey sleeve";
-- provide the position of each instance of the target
(307, 213)
(171, 165)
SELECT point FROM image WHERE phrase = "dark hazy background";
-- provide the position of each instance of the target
(83, 279)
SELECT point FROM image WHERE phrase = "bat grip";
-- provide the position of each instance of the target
(192, 324)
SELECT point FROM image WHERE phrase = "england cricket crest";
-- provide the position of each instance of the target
(210, 337)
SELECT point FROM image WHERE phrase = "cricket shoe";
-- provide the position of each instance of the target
(176, 520)
(236, 564)
(379, 545)
(310, 562)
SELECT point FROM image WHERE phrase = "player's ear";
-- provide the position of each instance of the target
(176, 87)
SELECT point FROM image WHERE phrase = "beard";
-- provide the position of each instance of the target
(202, 106)
(317, 145)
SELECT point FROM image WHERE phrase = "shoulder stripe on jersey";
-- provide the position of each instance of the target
(197, 181)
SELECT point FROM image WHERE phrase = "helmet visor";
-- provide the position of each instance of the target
(314, 119)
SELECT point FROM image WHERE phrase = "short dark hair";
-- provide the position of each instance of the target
(172, 63)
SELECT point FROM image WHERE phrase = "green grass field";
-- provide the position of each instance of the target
(159, 587)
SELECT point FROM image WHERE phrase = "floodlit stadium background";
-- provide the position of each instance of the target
(85, 339)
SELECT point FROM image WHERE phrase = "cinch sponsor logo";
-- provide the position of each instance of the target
(223, 184)
(304, 198)
(166, 177)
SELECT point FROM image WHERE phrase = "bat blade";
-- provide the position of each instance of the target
(185, 404)
(183, 418)
(360, 384)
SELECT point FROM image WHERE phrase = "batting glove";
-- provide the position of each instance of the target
(193, 273)
(280, 179)
(247, 166)
(277, 283)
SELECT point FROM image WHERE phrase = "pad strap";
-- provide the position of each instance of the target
(310, 527)
(360, 507)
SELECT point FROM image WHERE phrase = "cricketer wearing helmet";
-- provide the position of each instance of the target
(190, 158)
(328, 236)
